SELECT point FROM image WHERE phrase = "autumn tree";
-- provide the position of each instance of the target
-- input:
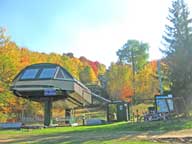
(7, 72)
(87, 76)
(119, 85)
(73, 65)
(7, 58)
(147, 82)
(97, 67)
(14, 58)
(135, 54)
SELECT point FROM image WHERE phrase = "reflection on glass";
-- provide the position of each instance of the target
(67, 76)
(29, 74)
(60, 74)
(47, 73)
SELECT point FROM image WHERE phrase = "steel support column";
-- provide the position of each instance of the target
(48, 112)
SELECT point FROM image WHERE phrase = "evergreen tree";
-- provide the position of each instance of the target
(178, 49)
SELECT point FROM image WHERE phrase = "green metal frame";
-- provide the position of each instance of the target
(48, 112)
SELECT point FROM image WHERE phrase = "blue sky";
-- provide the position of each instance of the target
(95, 29)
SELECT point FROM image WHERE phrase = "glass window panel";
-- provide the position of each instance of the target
(60, 74)
(47, 73)
(66, 75)
(29, 74)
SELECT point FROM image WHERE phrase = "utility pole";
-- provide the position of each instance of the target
(133, 73)
(160, 76)
(133, 80)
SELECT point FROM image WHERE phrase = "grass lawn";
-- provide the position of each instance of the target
(116, 133)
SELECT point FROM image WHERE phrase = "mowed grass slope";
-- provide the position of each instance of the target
(116, 133)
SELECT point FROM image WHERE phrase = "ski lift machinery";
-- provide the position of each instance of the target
(46, 82)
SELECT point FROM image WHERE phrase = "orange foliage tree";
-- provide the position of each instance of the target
(14, 58)
(147, 84)
(119, 82)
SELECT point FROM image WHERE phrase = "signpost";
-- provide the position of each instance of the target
(164, 103)
(50, 92)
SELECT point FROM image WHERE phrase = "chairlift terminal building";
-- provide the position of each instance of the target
(47, 82)
(39, 82)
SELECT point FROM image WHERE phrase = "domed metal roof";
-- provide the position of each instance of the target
(43, 71)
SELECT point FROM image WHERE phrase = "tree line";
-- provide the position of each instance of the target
(133, 78)
(14, 58)
(114, 83)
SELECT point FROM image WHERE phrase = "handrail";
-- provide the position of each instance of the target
(102, 98)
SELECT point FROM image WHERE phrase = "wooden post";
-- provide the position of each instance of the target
(107, 111)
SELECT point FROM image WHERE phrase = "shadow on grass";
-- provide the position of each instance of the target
(99, 134)
(73, 137)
